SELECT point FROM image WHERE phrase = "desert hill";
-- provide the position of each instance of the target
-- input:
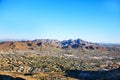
(48, 43)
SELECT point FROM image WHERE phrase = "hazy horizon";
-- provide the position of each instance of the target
(4, 40)
(89, 20)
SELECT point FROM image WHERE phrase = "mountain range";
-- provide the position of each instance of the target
(50, 43)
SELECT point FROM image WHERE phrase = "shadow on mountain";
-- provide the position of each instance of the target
(28, 74)
(94, 75)
(6, 77)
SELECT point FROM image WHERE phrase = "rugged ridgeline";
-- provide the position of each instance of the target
(48, 44)
(81, 44)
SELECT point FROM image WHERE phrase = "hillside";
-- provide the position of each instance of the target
(46, 59)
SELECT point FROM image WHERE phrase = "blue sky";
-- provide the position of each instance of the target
(91, 20)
